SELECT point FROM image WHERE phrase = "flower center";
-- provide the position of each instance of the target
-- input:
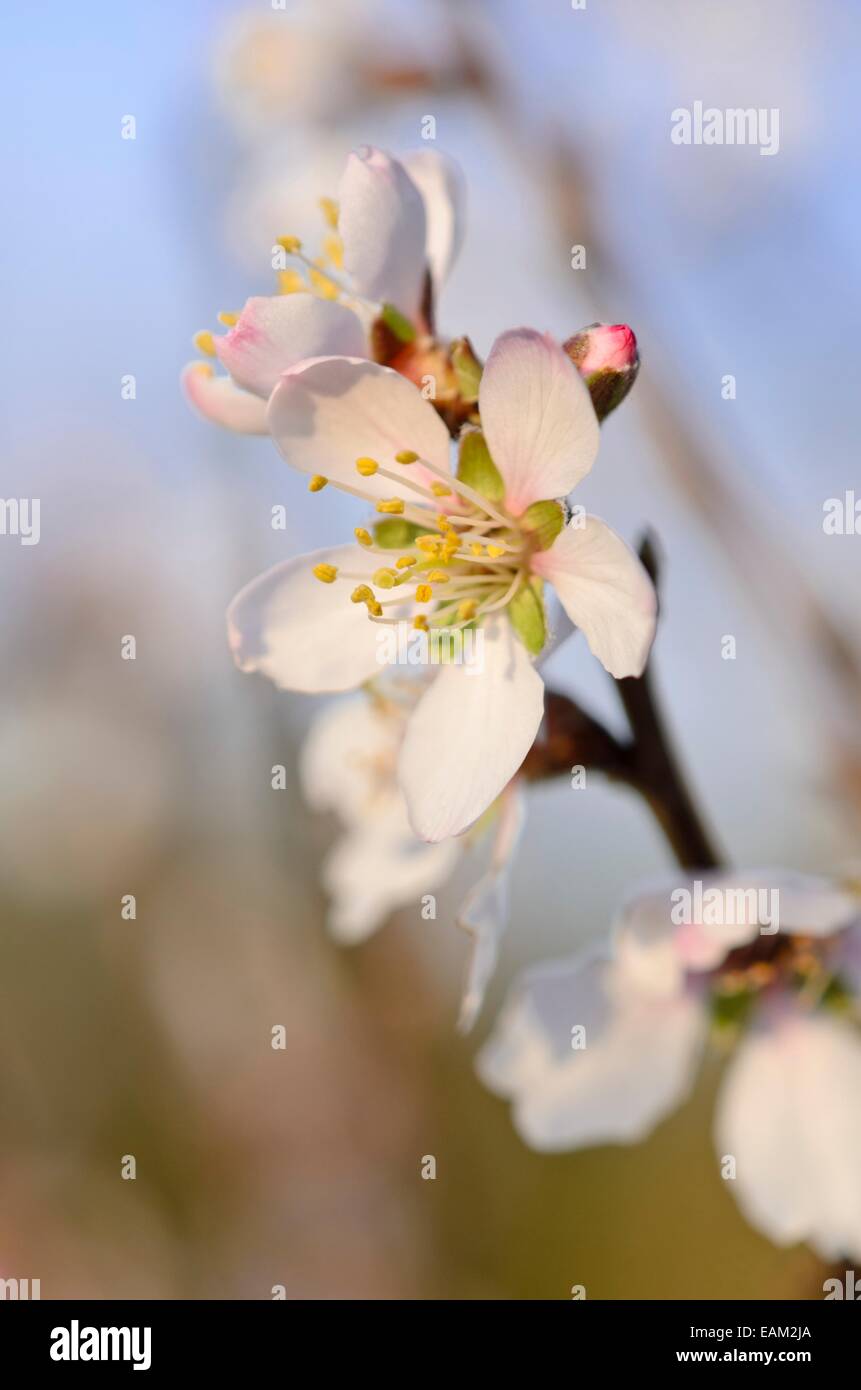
(449, 557)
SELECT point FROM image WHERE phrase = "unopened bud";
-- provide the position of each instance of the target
(606, 356)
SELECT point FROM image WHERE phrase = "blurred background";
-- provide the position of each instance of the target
(152, 1037)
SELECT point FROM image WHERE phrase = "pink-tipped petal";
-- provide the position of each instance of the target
(383, 228)
(221, 402)
(277, 331)
(538, 418)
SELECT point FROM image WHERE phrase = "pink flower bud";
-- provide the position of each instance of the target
(606, 356)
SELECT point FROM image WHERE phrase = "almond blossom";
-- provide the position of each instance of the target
(377, 865)
(394, 232)
(787, 1113)
(449, 549)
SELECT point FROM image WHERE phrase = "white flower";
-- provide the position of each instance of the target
(788, 1112)
(479, 551)
(396, 231)
(378, 865)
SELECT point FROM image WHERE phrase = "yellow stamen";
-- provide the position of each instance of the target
(476, 548)
(375, 609)
(317, 483)
(494, 551)
(406, 561)
(204, 342)
(327, 574)
(443, 522)
(364, 537)
(424, 593)
(334, 250)
(406, 456)
(429, 544)
(330, 212)
(290, 282)
(385, 579)
(438, 577)
(291, 244)
(394, 506)
(326, 288)
(466, 610)
(362, 594)
(228, 319)
(420, 622)
(440, 490)
(367, 467)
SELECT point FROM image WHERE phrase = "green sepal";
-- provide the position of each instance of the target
(544, 521)
(398, 323)
(467, 369)
(526, 614)
(476, 468)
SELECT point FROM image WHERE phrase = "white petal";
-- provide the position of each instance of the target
(537, 417)
(324, 415)
(441, 183)
(638, 1062)
(218, 399)
(469, 734)
(484, 913)
(605, 591)
(302, 634)
(276, 332)
(348, 760)
(382, 225)
(379, 867)
(789, 1114)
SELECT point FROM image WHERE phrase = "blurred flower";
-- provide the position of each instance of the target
(395, 231)
(599, 1048)
(479, 546)
(349, 766)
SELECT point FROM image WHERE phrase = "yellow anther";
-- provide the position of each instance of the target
(406, 456)
(367, 467)
(385, 579)
(494, 551)
(420, 622)
(443, 522)
(204, 342)
(424, 593)
(362, 536)
(438, 577)
(291, 244)
(291, 282)
(406, 561)
(429, 544)
(451, 546)
(467, 609)
(362, 594)
(205, 368)
(325, 288)
(330, 212)
(393, 506)
(333, 248)
(476, 549)
(317, 483)
(228, 319)
(440, 490)
(375, 609)
(327, 574)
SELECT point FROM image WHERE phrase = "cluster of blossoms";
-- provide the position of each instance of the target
(600, 1048)
(465, 470)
